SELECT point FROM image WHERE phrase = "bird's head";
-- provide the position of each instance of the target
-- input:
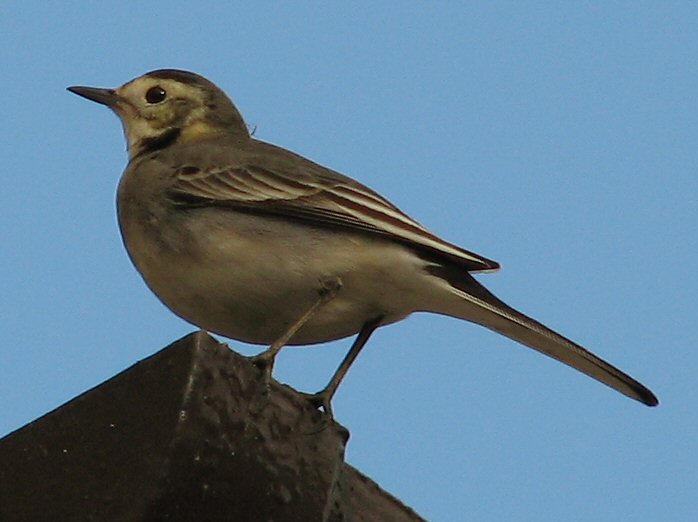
(168, 105)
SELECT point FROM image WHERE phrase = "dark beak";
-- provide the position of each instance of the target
(106, 97)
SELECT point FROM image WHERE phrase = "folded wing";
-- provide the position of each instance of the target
(323, 197)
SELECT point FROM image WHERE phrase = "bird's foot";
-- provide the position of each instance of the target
(321, 400)
(265, 362)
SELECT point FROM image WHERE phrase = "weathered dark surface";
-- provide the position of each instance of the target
(191, 433)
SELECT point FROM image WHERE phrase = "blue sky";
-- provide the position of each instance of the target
(560, 139)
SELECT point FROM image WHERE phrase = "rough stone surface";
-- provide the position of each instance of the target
(191, 433)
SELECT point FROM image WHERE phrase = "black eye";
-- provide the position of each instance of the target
(155, 94)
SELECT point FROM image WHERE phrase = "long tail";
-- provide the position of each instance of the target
(479, 305)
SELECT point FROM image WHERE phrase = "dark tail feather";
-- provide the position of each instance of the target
(486, 309)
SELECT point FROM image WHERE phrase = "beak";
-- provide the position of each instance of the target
(106, 97)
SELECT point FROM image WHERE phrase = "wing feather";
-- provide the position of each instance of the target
(329, 199)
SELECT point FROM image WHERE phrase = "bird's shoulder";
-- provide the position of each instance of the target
(224, 168)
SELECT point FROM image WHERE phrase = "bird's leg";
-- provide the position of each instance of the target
(328, 291)
(323, 398)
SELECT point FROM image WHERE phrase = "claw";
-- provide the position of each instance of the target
(264, 361)
(321, 400)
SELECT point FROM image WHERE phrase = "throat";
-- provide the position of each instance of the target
(155, 143)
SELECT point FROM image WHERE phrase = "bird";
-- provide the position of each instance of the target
(256, 243)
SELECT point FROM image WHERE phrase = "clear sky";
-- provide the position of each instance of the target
(559, 138)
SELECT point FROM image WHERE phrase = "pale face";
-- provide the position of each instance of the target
(167, 105)
(149, 107)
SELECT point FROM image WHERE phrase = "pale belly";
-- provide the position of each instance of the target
(250, 277)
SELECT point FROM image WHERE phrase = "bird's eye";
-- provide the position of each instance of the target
(155, 94)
